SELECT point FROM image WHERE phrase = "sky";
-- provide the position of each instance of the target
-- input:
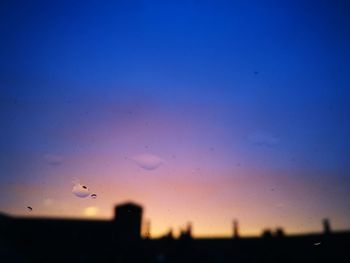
(201, 111)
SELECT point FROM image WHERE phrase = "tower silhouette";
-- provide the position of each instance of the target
(235, 229)
(128, 218)
(326, 226)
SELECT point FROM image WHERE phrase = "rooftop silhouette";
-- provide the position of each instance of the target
(25, 239)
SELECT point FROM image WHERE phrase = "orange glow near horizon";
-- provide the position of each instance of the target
(258, 202)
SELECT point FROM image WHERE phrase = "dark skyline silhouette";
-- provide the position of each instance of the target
(121, 240)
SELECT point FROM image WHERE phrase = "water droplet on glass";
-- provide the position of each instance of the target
(80, 190)
(148, 161)
(30, 208)
(317, 244)
(93, 196)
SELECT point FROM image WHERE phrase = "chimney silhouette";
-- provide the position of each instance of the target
(170, 234)
(279, 232)
(235, 229)
(267, 233)
(326, 226)
(187, 233)
(128, 218)
(147, 233)
(189, 229)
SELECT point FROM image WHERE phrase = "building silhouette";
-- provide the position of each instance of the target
(24, 239)
(128, 220)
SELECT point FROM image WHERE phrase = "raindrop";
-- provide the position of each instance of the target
(30, 208)
(317, 244)
(80, 190)
(93, 196)
(148, 161)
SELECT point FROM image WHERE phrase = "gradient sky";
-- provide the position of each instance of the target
(246, 105)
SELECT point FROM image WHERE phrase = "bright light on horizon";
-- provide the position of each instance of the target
(91, 211)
